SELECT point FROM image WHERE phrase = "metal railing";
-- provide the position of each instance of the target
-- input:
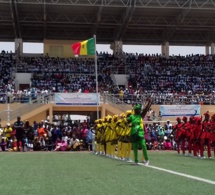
(122, 103)
(116, 98)
(22, 98)
(121, 69)
(165, 99)
(26, 68)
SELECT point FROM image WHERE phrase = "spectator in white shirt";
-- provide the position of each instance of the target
(168, 128)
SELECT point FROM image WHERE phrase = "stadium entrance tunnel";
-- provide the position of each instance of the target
(48, 111)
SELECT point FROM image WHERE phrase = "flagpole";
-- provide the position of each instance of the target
(97, 90)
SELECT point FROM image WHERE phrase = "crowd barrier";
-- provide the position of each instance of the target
(117, 99)
(164, 99)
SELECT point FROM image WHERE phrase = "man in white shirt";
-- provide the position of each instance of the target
(1, 132)
(168, 128)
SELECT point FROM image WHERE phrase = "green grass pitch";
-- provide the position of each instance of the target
(58, 173)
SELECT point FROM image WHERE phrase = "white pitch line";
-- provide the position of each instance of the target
(180, 174)
(176, 173)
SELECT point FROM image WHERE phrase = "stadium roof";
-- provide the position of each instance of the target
(181, 22)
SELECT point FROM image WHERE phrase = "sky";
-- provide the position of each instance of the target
(173, 50)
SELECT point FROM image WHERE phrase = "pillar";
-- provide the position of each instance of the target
(50, 114)
(18, 47)
(207, 50)
(117, 48)
(212, 48)
(165, 49)
(103, 111)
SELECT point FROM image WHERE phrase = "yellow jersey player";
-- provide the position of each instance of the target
(114, 137)
(120, 127)
(126, 144)
(98, 136)
(107, 135)
(102, 146)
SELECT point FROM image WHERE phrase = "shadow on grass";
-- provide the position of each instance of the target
(88, 178)
(129, 164)
(126, 164)
(196, 158)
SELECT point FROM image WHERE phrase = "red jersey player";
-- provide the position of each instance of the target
(205, 137)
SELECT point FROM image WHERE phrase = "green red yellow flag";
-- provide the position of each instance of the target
(84, 48)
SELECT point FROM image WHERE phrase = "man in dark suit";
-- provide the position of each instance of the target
(19, 127)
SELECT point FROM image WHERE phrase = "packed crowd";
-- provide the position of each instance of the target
(177, 80)
(68, 75)
(130, 96)
(44, 136)
(53, 75)
(7, 82)
(8, 92)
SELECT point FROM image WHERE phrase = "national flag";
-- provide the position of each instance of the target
(84, 48)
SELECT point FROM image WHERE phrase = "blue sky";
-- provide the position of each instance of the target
(174, 50)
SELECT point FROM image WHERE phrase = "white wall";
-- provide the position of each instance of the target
(121, 79)
(23, 78)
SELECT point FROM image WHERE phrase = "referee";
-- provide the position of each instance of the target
(19, 127)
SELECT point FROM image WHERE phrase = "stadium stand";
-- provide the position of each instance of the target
(53, 75)
(67, 75)
(176, 80)
(185, 75)
(179, 79)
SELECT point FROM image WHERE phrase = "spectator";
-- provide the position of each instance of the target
(152, 116)
(84, 136)
(8, 130)
(1, 132)
(159, 118)
(167, 143)
(61, 146)
(41, 132)
(168, 128)
(3, 143)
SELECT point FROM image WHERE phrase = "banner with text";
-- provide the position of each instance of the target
(180, 110)
(77, 99)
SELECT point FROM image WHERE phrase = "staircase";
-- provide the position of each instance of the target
(114, 79)
(10, 115)
(115, 102)
(120, 79)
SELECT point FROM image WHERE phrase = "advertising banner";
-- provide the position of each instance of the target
(180, 110)
(77, 99)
